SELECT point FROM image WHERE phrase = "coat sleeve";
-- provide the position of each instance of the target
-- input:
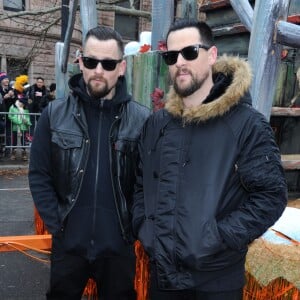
(262, 176)
(27, 119)
(41, 174)
(138, 208)
(14, 116)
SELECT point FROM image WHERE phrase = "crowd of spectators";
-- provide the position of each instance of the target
(20, 107)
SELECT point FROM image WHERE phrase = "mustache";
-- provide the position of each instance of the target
(97, 78)
(182, 71)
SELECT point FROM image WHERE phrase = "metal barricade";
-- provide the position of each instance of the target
(16, 136)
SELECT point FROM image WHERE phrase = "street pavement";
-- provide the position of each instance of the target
(21, 277)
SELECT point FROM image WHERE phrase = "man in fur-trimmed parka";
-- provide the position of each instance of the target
(210, 179)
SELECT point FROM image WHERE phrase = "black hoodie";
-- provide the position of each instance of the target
(91, 228)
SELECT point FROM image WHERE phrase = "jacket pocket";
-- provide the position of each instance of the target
(66, 156)
(124, 165)
(66, 140)
(194, 248)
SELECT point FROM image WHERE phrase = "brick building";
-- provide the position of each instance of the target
(27, 42)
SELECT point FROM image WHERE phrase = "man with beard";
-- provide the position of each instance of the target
(81, 174)
(209, 180)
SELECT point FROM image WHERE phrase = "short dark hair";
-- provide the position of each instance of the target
(204, 30)
(40, 78)
(104, 33)
(52, 87)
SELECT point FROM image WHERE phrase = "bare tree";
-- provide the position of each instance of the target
(101, 7)
(41, 21)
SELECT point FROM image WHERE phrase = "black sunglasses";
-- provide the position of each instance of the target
(107, 64)
(189, 53)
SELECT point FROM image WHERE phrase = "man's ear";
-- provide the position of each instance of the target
(213, 54)
(80, 63)
(122, 68)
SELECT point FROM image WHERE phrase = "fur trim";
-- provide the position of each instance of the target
(241, 80)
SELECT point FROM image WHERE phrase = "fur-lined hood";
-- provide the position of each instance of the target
(241, 75)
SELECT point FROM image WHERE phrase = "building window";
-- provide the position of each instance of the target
(16, 67)
(127, 26)
(14, 5)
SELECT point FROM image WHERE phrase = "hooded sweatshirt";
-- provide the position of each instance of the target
(92, 228)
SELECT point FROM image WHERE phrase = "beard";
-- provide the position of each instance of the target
(195, 84)
(97, 91)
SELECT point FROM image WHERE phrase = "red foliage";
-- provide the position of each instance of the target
(157, 96)
(162, 46)
(145, 48)
(284, 53)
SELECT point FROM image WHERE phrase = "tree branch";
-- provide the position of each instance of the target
(30, 13)
(102, 7)
(125, 11)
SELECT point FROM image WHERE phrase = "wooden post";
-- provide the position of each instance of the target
(245, 12)
(264, 52)
(64, 18)
(61, 78)
(67, 41)
(62, 50)
(88, 13)
(269, 31)
(162, 17)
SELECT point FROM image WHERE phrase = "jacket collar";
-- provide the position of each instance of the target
(232, 67)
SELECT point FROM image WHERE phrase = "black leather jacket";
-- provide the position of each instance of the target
(69, 153)
(70, 148)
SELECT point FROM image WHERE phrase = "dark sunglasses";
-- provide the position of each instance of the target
(188, 53)
(107, 64)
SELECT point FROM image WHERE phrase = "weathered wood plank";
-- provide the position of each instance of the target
(290, 161)
(145, 72)
(294, 19)
(294, 7)
(213, 4)
(233, 44)
(189, 9)
(280, 88)
(288, 34)
(222, 18)
(285, 85)
(232, 29)
(244, 11)
(285, 111)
